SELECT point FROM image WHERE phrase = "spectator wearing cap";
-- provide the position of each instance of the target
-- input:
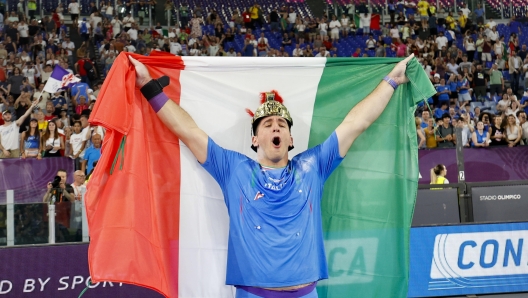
(84, 29)
(9, 133)
(445, 137)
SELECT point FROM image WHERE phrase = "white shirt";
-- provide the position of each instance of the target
(493, 35)
(441, 41)
(127, 22)
(334, 25)
(327, 54)
(23, 30)
(76, 141)
(491, 24)
(394, 33)
(297, 52)
(69, 46)
(371, 43)
(453, 68)
(73, 8)
(131, 48)
(9, 135)
(323, 27)
(292, 16)
(94, 20)
(364, 21)
(175, 48)
(465, 11)
(109, 10)
(344, 22)
(525, 131)
(116, 25)
(133, 33)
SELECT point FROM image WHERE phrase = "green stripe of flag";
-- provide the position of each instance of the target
(369, 200)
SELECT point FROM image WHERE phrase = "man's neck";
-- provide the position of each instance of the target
(7, 123)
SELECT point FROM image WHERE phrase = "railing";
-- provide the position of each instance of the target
(31, 223)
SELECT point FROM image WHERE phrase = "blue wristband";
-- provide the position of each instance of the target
(391, 82)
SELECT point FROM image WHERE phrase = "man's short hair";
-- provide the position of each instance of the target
(62, 170)
(446, 115)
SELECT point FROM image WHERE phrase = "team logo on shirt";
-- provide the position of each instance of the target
(258, 196)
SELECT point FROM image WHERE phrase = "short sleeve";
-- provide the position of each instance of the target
(326, 155)
(221, 162)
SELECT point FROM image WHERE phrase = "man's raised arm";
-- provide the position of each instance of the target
(370, 108)
(175, 118)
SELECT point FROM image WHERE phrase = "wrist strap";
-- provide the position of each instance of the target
(154, 87)
(391, 82)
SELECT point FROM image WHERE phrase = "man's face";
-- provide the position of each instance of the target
(62, 175)
(272, 139)
(49, 107)
(7, 117)
(522, 117)
(96, 140)
(509, 91)
(84, 122)
(425, 115)
(446, 121)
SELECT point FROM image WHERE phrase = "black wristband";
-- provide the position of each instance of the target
(154, 87)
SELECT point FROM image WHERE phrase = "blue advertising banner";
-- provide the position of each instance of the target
(468, 259)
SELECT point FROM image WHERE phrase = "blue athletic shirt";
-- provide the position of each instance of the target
(443, 96)
(275, 228)
(463, 83)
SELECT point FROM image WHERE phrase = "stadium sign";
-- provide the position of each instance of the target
(469, 259)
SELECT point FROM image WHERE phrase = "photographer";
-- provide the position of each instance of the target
(59, 190)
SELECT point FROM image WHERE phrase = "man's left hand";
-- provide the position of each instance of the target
(398, 73)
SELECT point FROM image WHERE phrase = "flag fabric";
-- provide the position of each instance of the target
(374, 21)
(158, 219)
(60, 78)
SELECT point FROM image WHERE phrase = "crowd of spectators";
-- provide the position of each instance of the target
(36, 124)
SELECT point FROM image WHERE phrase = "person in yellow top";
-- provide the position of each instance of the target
(462, 21)
(438, 174)
(450, 21)
(423, 7)
(430, 131)
(254, 13)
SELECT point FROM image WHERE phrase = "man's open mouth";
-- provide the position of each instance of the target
(276, 141)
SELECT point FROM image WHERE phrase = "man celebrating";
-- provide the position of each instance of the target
(273, 202)
(9, 133)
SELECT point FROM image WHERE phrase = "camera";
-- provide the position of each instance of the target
(56, 182)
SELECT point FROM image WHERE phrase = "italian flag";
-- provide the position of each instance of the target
(157, 219)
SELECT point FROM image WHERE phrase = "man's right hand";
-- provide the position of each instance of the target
(142, 73)
(6, 153)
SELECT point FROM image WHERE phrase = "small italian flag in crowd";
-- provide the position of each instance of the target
(157, 218)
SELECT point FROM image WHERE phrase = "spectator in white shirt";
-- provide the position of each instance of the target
(116, 26)
(441, 40)
(73, 9)
(344, 25)
(133, 32)
(297, 52)
(323, 53)
(334, 29)
(23, 34)
(127, 22)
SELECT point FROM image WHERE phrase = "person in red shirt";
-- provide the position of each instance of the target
(328, 44)
(357, 53)
(246, 16)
